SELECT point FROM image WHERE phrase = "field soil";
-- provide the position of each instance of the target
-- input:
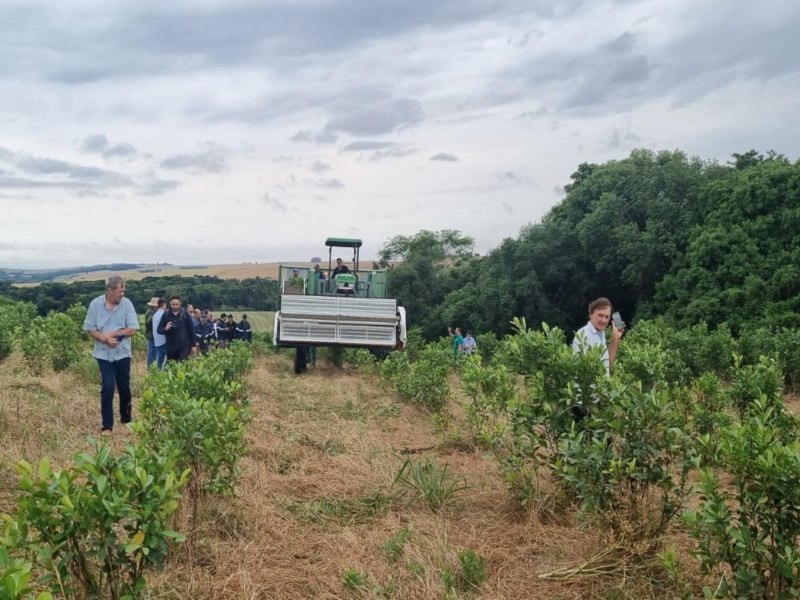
(318, 513)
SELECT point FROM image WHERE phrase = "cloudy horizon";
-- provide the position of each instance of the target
(235, 131)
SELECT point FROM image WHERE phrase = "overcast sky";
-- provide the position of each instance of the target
(224, 132)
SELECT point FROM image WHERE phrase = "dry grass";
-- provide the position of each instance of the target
(316, 497)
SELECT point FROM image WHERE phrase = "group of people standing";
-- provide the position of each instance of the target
(462, 344)
(173, 333)
(176, 333)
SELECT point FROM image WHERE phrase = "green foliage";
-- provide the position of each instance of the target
(783, 344)
(259, 293)
(468, 576)
(195, 409)
(6, 332)
(631, 464)
(751, 525)
(487, 343)
(416, 264)
(429, 482)
(710, 405)
(15, 574)
(423, 381)
(472, 572)
(95, 529)
(527, 398)
(393, 547)
(35, 345)
(753, 382)
(65, 340)
(359, 583)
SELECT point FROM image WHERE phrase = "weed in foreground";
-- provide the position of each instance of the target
(359, 583)
(430, 482)
(393, 547)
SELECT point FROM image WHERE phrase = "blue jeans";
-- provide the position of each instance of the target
(113, 375)
(151, 352)
(161, 356)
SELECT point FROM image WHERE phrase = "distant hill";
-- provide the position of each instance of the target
(140, 271)
(39, 275)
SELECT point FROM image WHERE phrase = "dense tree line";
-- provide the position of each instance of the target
(659, 233)
(257, 293)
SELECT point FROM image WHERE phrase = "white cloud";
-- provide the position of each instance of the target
(406, 114)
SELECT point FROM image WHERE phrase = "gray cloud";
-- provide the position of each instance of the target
(393, 152)
(511, 177)
(274, 202)
(158, 187)
(378, 119)
(322, 137)
(210, 161)
(621, 44)
(443, 156)
(45, 172)
(331, 184)
(361, 145)
(631, 70)
(99, 144)
(319, 166)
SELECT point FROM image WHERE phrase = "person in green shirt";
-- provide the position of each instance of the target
(458, 340)
(296, 279)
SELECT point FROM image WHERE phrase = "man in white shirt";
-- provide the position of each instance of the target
(594, 332)
(111, 321)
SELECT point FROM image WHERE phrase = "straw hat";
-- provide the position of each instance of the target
(153, 302)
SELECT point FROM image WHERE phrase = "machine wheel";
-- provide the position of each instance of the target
(300, 360)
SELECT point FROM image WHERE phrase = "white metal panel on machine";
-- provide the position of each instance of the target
(338, 320)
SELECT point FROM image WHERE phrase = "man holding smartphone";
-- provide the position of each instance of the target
(593, 334)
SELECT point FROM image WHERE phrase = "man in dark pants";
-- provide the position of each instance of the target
(178, 327)
(111, 320)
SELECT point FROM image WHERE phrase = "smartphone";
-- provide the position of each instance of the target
(617, 319)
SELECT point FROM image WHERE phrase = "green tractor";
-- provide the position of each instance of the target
(345, 306)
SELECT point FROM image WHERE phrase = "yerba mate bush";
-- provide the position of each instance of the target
(196, 409)
(422, 381)
(749, 527)
(94, 529)
(65, 344)
(35, 345)
(15, 575)
(630, 465)
(527, 398)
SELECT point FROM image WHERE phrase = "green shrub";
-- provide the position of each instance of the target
(631, 465)
(35, 345)
(533, 391)
(423, 381)
(749, 528)
(195, 409)
(487, 344)
(94, 530)
(14, 577)
(65, 340)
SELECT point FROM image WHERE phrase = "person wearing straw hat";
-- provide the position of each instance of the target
(148, 330)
